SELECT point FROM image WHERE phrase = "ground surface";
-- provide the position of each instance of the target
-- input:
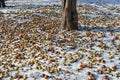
(33, 47)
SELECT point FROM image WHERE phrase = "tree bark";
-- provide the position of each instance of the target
(70, 16)
(2, 3)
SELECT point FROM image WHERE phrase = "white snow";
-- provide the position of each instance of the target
(102, 1)
(52, 2)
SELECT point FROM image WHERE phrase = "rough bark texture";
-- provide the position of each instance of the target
(70, 16)
(2, 3)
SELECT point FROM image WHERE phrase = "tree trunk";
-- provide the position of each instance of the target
(2, 3)
(70, 16)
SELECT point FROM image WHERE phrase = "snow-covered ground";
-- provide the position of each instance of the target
(101, 1)
(48, 2)
(32, 2)
(33, 47)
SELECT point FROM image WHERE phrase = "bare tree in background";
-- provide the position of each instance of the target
(70, 16)
(2, 3)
